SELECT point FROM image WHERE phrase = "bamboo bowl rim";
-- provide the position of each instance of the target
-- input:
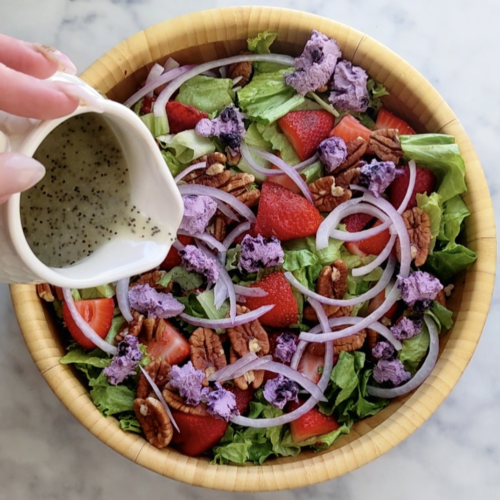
(420, 103)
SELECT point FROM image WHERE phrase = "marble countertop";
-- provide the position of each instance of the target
(46, 454)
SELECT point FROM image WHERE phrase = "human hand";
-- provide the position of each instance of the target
(25, 92)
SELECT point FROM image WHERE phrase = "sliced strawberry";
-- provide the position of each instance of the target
(198, 434)
(369, 246)
(311, 424)
(279, 292)
(385, 119)
(182, 117)
(243, 398)
(98, 313)
(169, 345)
(147, 104)
(306, 129)
(284, 214)
(312, 361)
(283, 180)
(424, 183)
(377, 301)
(356, 222)
(353, 248)
(173, 259)
(349, 129)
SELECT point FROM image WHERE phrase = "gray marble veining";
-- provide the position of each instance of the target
(45, 454)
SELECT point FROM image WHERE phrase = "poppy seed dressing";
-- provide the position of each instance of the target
(84, 200)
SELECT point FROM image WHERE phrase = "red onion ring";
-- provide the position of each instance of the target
(226, 210)
(246, 291)
(373, 292)
(384, 254)
(85, 328)
(159, 395)
(188, 170)
(168, 91)
(154, 73)
(254, 365)
(161, 80)
(207, 238)
(170, 64)
(421, 375)
(227, 372)
(241, 208)
(229, 239)
(216, 324)
(411, 186)
(360, 235)
(122, 298)
(307, 163)
(178, 245)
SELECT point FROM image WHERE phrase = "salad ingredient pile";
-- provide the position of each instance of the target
(309, 279)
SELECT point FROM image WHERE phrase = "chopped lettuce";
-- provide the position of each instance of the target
(357, 285)
(185, 279)
(318, 443)
(77, 355)
(192, 306)
(432, 206)
(441, 315)
(129, 422)
(206, 93)
(323, 104)
(157, 125)
(375, 93)
(414, 350)
(111, 399)
(267, 97)
(454, 213)
(187, 146)
(278, 142)
(450, 261)
(261, 45)
(313, 172)
(98, 292)
(174, 165)
(440, 154)
(116, 324)
(207, 299)
(326, 256)
(304, 265)
(232, 258)
(348, 399)
(353, 261)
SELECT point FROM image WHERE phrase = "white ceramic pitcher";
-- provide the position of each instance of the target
(153, 192)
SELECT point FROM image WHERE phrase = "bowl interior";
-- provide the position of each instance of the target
(218, 33)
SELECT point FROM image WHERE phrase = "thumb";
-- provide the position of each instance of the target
(18, 173)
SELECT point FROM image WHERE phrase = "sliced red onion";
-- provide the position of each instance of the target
(223, 72)
(241, 208)
(122, 298)
(154, 73)
(360, 235)
(247, 291)
(321, 314)
(224, 276)
(207, 238)
(220, 293)
(178, 245)
(227, 372)
(159, 395)
(286, 169)
(161, 80)
(226, 210)
(254, 365)
(169, 90)
(229, 239)
(237, 80)
(85, 328)
(373, 292)
(364, 270)
(268, 172)
(422, 374)
(307, 163)
(235, 89)
(411, 186)
(188, 170)
(170, 64)
(216, 324)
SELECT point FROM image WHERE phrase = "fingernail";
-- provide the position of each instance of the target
(81, 94)
(63, 61)
(18, 173)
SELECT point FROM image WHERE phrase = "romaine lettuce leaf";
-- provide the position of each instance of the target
(207, 299)
(414, 350)
(187, 146)
(116, 324)
(185, 279)
(98, 292)
(440, 154)
(441, 315)
(267, 97)
(77, 355)
(432, 206)
(111, 399)
(357, 285)
(157, 125)
(326, 256)
(304, 265)
(450, 261)
(174, 165)
(129, 422)
(318, 443)
(206, 93)
(278, 142)
(454, 213)
(261, 44)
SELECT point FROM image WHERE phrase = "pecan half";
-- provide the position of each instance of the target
(384, 143)
(133, 328)
(218, 229)
(355, 150)
(418, 223)
(233, 158)
(351, 343)
(332, 283)
(151, 278)
(245, 338)
(372, 337)
(158, 370)
(45, 292)
(207, 353)
(327, 195)
(347, 177)
(154, 421)
(255, 378)
(176, 401)
(243, 69)
(213, 175)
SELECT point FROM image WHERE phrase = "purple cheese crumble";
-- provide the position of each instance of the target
(315, 66)
(228, 127)
(332, 153)
(259, 252)
(193, 259)
(145, 299)
(419, 286)
(377, 176)
(222, 403)
(383, 350)
(349, 87)
(406, 328)
(286, 346)
(188, 381)
(390, 371)
(198, 210)
(126, 360)
(278, 391)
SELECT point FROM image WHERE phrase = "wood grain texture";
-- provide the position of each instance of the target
(217, 33)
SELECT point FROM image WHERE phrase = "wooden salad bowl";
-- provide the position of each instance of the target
(218, 33)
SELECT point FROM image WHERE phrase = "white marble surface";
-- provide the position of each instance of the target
(46, 454)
